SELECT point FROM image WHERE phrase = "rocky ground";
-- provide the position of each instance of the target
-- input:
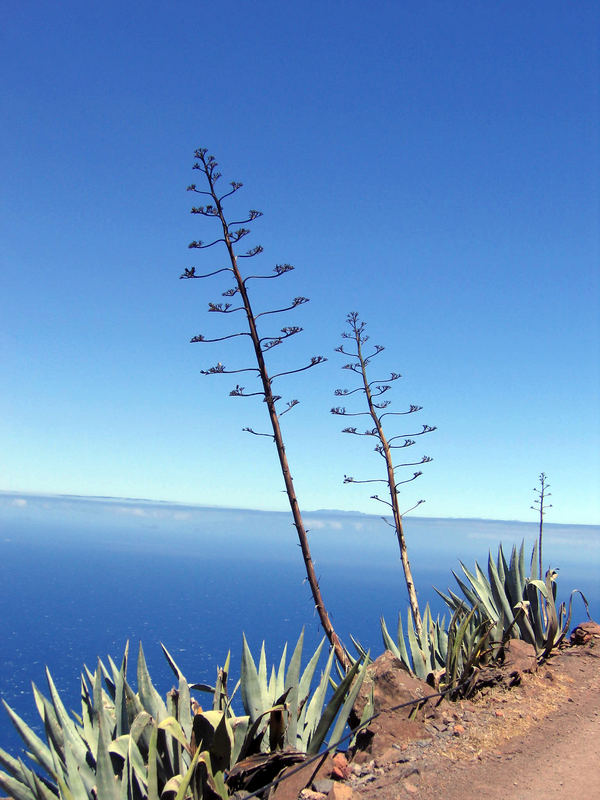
(532, 731)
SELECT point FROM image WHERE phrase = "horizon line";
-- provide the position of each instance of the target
(180, 504)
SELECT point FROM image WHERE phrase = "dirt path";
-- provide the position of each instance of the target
(541, 739)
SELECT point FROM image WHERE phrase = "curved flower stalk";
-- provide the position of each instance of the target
(230, 235)
(386, 446)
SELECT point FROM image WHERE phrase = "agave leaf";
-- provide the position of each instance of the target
(315, 707)
(120, 679)
(483, 592)
(342, 719)
(222, 742)
(172, 727)
(90, 732)
(564, 627)
(64, 792)
(136, 765)
(181, 783)
(510, 578)
(404, 656)
(457, 646)
(54, 732)
(41, 790)
(13, 765)
(279, 684)
(149, 697)
(173, 784)
(204, 687)
(227, 707)
(303, 694)
(253, 689)
(152, 765)
(15, 789)
(119, 746)
(522, 575)
(552, 628)
(262, 668)
(74, 776)
(105, 777)
(291, 686)
(391, 645)
(307, 675)
(140, 726)
(272, 685)
(537, 615)
(184, 713)
(501, 565)
(35, 745)
(483, 583)
(102, 701)
(240, 726)
(220, 700)
(250, 741)
(501, 601)
(22, 773)
(534, 563)
(468, 593)
(331, 710)
(419, 658)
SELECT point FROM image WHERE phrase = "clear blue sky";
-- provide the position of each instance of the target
(432, 165)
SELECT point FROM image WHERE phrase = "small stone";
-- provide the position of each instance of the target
(308, 794)
(410, 787)
(499, 713)
(322, 785)
(341, 768)
(341, 791)
(390, 756)
(458, 730)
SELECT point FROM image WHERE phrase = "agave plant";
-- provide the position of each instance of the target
(308, 719)
(446, 657)
(128, 744)
(124, 743)
(427, 651)
(512, 601)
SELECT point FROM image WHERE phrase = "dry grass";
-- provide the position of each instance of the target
(494, 718)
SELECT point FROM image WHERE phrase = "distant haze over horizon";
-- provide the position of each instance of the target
(22, 499)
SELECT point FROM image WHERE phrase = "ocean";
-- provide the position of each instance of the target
(80, 577)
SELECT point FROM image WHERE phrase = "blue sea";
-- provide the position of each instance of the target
(79, 577)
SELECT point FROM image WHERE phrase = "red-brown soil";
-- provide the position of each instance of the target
(539, 738)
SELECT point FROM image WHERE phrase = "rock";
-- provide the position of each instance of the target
(308, 794)
(290, 788)
(585, 632)
(391, 756)
(341, 768)
(341, 791)
(392, 685)
(458, 729)
(519, 657)
(322, 785)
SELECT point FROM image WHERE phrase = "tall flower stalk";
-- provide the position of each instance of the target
(372, 391)
(231, 235)
(540, 504)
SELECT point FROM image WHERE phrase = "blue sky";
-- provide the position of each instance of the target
(431, 165)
